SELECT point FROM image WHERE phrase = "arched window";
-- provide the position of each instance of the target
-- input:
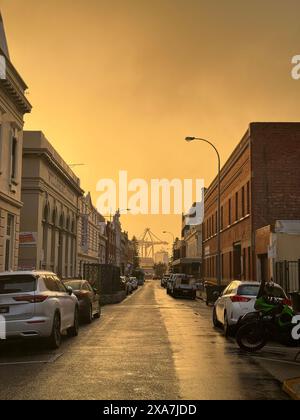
(46, 213)
(54, 216)
(68, 223)
(45, 236)
(62, 221)
(73, 226)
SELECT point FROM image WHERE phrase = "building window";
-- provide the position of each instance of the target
(249, 263)
(216, 224)
(243, 201)
(236, 206)
(222, 218)
(222, 266)
(229, 212)
(13, 169)
(244, 264)
(9, 242)
(230, 265)
(45, 236)
(248, 197)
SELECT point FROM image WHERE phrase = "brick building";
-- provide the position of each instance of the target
(260, 185)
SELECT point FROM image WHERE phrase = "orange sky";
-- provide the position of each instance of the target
(118, 84)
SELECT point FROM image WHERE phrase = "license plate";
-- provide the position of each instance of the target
(4, 310)
(185, 291)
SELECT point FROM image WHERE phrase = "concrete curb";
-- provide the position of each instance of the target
(292, 388)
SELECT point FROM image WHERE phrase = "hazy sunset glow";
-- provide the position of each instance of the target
(117, 85)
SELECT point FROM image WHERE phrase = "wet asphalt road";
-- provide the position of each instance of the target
(151, 346)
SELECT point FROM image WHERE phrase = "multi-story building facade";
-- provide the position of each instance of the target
(102, 242)
(51, 195)
(89, 233)
(187, 252)
(13, 106)
(126, 254)
(260, 185)
(118, 237)
(110, 244)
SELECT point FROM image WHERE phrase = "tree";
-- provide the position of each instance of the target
(160, 269)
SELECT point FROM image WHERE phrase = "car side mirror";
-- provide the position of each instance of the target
(69, 290)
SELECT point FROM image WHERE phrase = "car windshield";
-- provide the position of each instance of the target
(17, 284)
(248, 290)
(75, 284)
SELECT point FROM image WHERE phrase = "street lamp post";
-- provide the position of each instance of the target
(219, 270)
(170, 233)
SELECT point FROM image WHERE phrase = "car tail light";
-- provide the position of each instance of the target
(287, 302)
(31, 299)
(240, 299)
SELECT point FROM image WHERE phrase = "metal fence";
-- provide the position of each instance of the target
(105, 277)
(287, 274)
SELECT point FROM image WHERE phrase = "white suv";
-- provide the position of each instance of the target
(37, 304)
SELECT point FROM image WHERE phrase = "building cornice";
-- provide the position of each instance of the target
(14, 86)
(44, 153)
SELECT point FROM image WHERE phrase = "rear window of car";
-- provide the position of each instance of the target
(17, 284)
(276, 292)
(185, 281)
(248, 290)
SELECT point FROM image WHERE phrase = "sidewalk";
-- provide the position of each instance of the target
(283, 363)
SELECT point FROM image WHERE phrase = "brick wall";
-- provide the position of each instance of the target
(275, 150)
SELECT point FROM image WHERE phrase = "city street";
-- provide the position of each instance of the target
(151, 346)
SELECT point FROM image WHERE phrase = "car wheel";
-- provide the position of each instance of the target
(73, 331)
(54, 341)
(98, 314)
(89, 315)
(227, 327)
(215, 319)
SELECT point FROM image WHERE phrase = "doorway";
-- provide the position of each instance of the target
(263, 266)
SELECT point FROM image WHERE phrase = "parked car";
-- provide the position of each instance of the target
(126, 284)
(38, 304)
(140, 276)
(184, 286)
(164, 280)
(171, 281)
(134, 283)
(88, 298)
(237, 300)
